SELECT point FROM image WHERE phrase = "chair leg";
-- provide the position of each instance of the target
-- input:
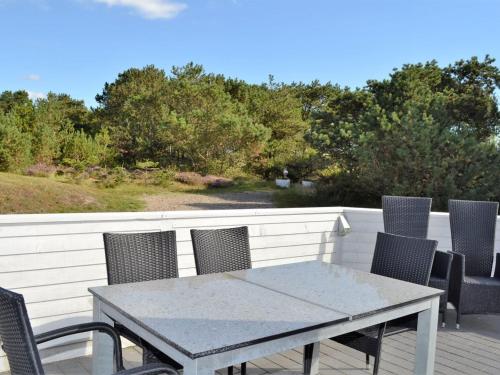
(367, 361)
(443, 319)
(230, 370)
(376, 365)
(458, 318)
(243, 368)
(380, 337)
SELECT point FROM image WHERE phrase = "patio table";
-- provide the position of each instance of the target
(213, 321)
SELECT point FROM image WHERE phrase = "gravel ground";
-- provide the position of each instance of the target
(224, 201)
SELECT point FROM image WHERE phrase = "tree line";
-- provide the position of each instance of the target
(425, 130)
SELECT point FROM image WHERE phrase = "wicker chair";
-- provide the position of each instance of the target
(472, 289)
(20, 344)
(406, 216)
(403, 258)
(440, 279)
(135, 257)
(409, 216)
(221, 250)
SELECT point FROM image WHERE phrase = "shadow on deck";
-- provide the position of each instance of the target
(472, 350)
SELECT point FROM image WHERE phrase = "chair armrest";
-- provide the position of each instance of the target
(87, 327)
(150, 369)
(457, 276)
(497, 266)
(441, 267)
(457, 265)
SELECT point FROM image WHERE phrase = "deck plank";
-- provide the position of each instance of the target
(473, 350)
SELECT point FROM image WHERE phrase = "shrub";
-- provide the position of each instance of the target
(296, 196)
(112, 178)
(339, 190)
(146, 164)
(189, 178)
(81, 151)
(217, 181)
(164, 177)
(196, 179)
(40, 170)
(15, 146)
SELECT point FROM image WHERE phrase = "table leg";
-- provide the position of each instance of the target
(311, 359)
(426, 339)
(102, 345)
(194, 368)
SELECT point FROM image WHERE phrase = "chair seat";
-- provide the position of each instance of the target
(150, 354)
(482, 280)
(443, 284)
(438, 282)
(366, 339)
(389, 330)
(480, 295)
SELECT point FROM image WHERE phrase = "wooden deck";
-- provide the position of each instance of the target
(472, 350)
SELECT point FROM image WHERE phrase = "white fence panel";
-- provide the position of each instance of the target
(356, 249)
(53, 259)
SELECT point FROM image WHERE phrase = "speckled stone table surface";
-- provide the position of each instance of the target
(351, 292)
(201, 315)
(211, 321)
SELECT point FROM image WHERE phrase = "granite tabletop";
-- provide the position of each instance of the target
(207, 314)
(354, 293)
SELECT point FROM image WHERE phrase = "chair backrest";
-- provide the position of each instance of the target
(473, 227)
(221, 250)
(135, 257)
(404, 258)
(17, 336)
(406, 216)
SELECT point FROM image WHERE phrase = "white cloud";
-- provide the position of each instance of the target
(152, 9)
(36, 95)
(32, 77)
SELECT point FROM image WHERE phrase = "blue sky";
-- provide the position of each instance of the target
(74, 46)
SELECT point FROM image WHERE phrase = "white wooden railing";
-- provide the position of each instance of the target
(53, 259)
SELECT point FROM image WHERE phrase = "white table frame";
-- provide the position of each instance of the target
(424, 357)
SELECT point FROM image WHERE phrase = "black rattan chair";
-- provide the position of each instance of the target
(20, 345)
(221, 250)
(409, 216)
(136, 257)
(403, 258)
(472, 289)
(406, 216)
(440, 279)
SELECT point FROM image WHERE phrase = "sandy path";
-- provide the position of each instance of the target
(223, 201)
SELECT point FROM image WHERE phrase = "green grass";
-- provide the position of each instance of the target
(295, 197)
(23, 194)
(240, 185)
